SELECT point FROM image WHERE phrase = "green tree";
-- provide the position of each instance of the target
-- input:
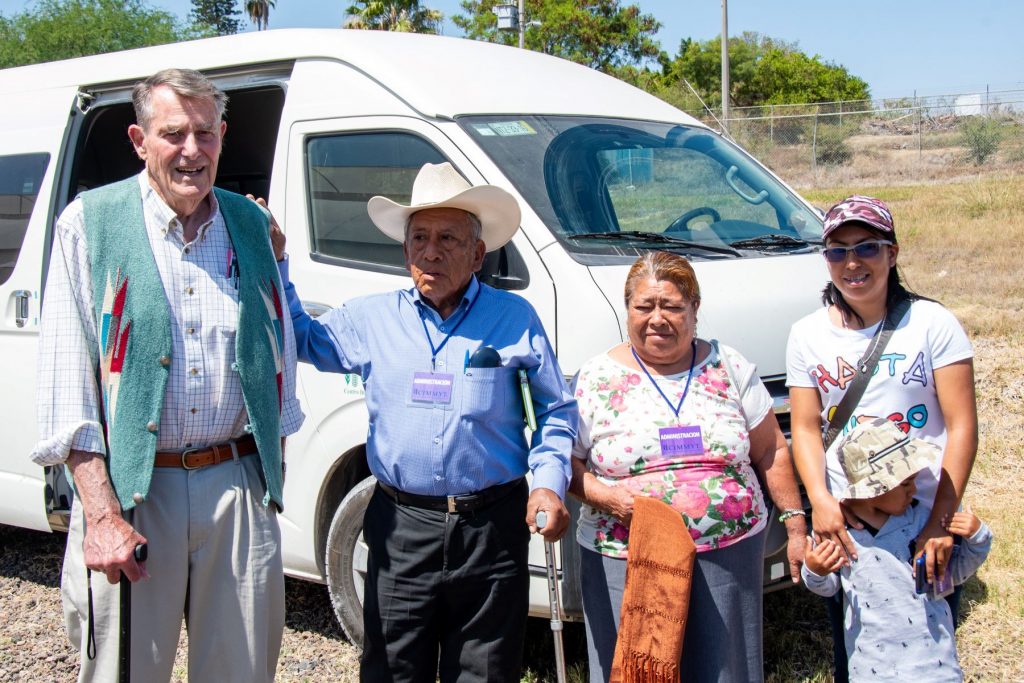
(62, 29)
(259, 12)
(219, 17)
(762, 70)
(602, 34)
(406, 16)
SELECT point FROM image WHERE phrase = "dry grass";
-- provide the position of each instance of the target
(888, 159)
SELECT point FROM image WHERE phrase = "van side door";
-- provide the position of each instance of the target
(32, 133)
(335, 254)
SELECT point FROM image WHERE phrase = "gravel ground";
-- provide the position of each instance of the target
(34, 647)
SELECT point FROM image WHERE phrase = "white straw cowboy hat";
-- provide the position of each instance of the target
(439, 186)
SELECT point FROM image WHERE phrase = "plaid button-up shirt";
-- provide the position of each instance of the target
(203, 402)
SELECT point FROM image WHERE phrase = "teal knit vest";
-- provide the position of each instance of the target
(134, 333)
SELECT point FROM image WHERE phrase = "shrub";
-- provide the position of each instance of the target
(981, 136)
(830, 145)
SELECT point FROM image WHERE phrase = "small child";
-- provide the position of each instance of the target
(892, 632)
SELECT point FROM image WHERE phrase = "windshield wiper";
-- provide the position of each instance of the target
(769, 240)
(653, 238)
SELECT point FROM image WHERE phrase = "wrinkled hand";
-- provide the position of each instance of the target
(937, 546)
(796, 528)
(277, 238)
(825, 557)
(109, 547)
(620, 503)
(558, 517)
(830, 518)
(964, 523)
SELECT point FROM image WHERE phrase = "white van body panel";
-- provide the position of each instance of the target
(33, 122)
(435, 76)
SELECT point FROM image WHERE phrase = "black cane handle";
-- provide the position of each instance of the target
(141, 552)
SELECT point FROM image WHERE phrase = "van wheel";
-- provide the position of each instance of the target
(346, 560)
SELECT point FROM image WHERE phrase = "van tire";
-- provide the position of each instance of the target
(345, 560)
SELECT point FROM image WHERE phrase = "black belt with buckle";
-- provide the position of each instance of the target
(469, 502)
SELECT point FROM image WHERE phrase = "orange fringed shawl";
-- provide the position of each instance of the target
(656, 597)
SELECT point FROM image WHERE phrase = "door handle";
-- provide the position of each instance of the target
(21, 297)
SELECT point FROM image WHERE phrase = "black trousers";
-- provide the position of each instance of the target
(446, 595)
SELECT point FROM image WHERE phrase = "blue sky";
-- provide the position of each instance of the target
(933, 47)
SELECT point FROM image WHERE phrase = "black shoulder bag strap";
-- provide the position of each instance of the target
(865, 368)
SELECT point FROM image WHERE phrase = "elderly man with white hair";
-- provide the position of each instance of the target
(166, 386)
(448, 525)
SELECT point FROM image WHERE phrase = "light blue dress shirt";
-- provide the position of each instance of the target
(475, 441)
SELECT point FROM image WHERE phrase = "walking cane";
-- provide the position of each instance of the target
(556, 603)
(124, 648)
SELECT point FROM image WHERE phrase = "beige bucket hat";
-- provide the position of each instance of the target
(440, 186)
(876, 456)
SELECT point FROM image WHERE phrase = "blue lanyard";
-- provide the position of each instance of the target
(693, 359)
(434, 350)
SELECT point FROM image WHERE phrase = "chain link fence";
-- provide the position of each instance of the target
(871, 142)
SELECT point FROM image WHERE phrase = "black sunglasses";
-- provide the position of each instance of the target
(864, 250)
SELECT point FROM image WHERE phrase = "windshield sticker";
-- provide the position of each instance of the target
(509, 128)
(483, 129)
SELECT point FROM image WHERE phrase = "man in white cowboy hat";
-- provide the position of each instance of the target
(893, 632)
(449, 523)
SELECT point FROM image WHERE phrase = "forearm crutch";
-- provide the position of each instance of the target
(553, 597)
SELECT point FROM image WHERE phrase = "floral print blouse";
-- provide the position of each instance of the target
(716, 491)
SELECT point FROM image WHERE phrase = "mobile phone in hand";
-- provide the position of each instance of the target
(920, 576)
(939, 589)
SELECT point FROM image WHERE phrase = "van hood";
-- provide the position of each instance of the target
(747, 303)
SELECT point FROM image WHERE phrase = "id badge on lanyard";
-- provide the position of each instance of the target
(685, 440)
(432, 387)
(436, 387)
(682, 439)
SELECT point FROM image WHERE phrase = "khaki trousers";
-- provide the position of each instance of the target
(214, 560)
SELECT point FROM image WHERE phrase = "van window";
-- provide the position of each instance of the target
(649, 188)
(610, 189)
(342, 172)
(20, 176)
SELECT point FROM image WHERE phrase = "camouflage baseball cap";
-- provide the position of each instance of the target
(860, 209)
(876, 456)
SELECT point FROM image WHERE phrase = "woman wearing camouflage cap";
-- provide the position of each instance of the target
(923, 380)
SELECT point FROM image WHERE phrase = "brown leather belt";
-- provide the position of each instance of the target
(195, 458)
(453, 504)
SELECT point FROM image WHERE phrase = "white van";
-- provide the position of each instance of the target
(319, 121)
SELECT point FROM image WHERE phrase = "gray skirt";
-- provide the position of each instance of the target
(723, 630)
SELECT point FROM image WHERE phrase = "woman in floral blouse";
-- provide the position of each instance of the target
(687, 421)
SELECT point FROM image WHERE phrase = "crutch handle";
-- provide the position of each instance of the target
(541, 519)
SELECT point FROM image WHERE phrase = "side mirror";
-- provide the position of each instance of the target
(505, 269)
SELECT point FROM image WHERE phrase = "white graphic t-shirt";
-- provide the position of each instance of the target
(902, 388)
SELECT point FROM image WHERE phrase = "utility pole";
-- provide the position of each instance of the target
(725, 63)
(522, 25)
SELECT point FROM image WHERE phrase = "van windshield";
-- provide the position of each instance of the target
(610, 188)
